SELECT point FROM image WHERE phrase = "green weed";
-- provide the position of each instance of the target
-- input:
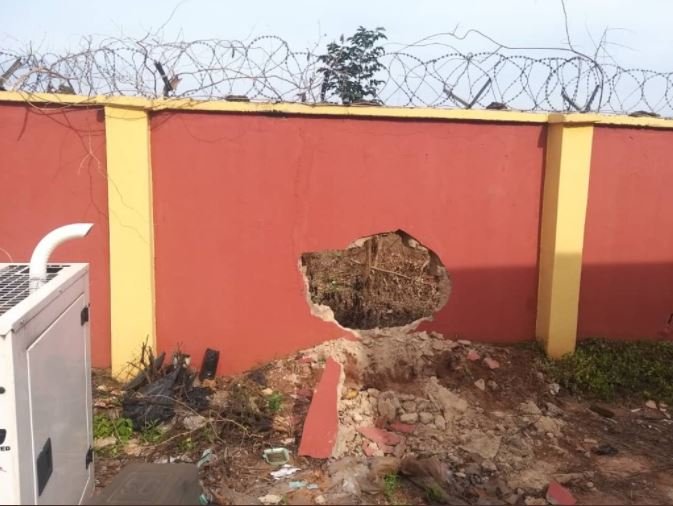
(608, 370)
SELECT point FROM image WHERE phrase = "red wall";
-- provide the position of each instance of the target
(237, 199)
(627, 274)
(52, 172)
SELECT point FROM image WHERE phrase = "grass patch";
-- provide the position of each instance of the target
(275, 402)
(391, 483)
(120, 428)
(608, 370)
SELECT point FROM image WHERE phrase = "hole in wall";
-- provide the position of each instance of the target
(381, 281)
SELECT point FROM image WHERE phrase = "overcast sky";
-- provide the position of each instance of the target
(641, 31)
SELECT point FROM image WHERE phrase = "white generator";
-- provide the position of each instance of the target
(46, 454)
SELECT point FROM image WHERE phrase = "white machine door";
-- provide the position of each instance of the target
(59, 383)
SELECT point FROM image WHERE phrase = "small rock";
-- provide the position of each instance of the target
(651, 404)
(440, 422)
(548, 424)
(426, 417)
(491, 363)
(464, 342)
(535, 501)
(512, 499)
(409, 418)
(482, 444)
(406, 397)
(487, 465)
(554, 388)
(553, 409)
(590, 484)
(473, 356)
(104, 442)
(357, 417)
(194, 422)
(351, 393)
(387, 405)
(529, 408)
(566, 478)
(373, 392)
(320, 499)
(590, 441)
(270, 499)
(492, 385)
(409, 406)
(480, 384)
(267, 392)
(558, 495)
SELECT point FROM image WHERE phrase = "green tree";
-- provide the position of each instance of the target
(349, 68)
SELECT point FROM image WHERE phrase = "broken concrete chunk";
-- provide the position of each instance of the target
(481, 444)
(558, 495)
(380, 436)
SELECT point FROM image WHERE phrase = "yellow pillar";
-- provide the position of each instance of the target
(131, 235)
(566, 190)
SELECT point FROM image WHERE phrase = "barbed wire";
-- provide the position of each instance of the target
(430, 73)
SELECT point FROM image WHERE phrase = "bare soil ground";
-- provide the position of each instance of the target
(384, 282)
(487, 417)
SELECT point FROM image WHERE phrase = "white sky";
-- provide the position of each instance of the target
(641, 29)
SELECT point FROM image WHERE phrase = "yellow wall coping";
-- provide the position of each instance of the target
(286, 108)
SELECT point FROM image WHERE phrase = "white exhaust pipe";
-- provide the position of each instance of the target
(44, 249)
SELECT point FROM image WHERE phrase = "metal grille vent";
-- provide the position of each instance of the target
(14, 284)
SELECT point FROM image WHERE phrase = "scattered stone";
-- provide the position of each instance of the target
(402, 427)
(409, 406)
(406, 397)
(409, 418)
(351, 393)
(491, 363)
(553, 409)
(449, 402)
(270, 499)
(487, 465)
(512, 499)
(480, 384)
(380, 436)
(464, 342)
(267, 392)
(194, 422)
(558, 495)
(373, 392)
(320, 499)
(388, 404)
(440, 422)
(554, 388)
(590, 441)
(603, 411)
(651, 404)
(534, 501)
(473, 356)
(547, 424)
(104, 442)
(529, 408)
(482, 444)
(426, 417)
(492, 385)
(566, 478)
(590, 484)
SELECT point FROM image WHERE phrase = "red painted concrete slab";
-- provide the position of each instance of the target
(322, 421)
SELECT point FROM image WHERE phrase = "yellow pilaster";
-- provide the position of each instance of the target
(566, 190)
(131, 235)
